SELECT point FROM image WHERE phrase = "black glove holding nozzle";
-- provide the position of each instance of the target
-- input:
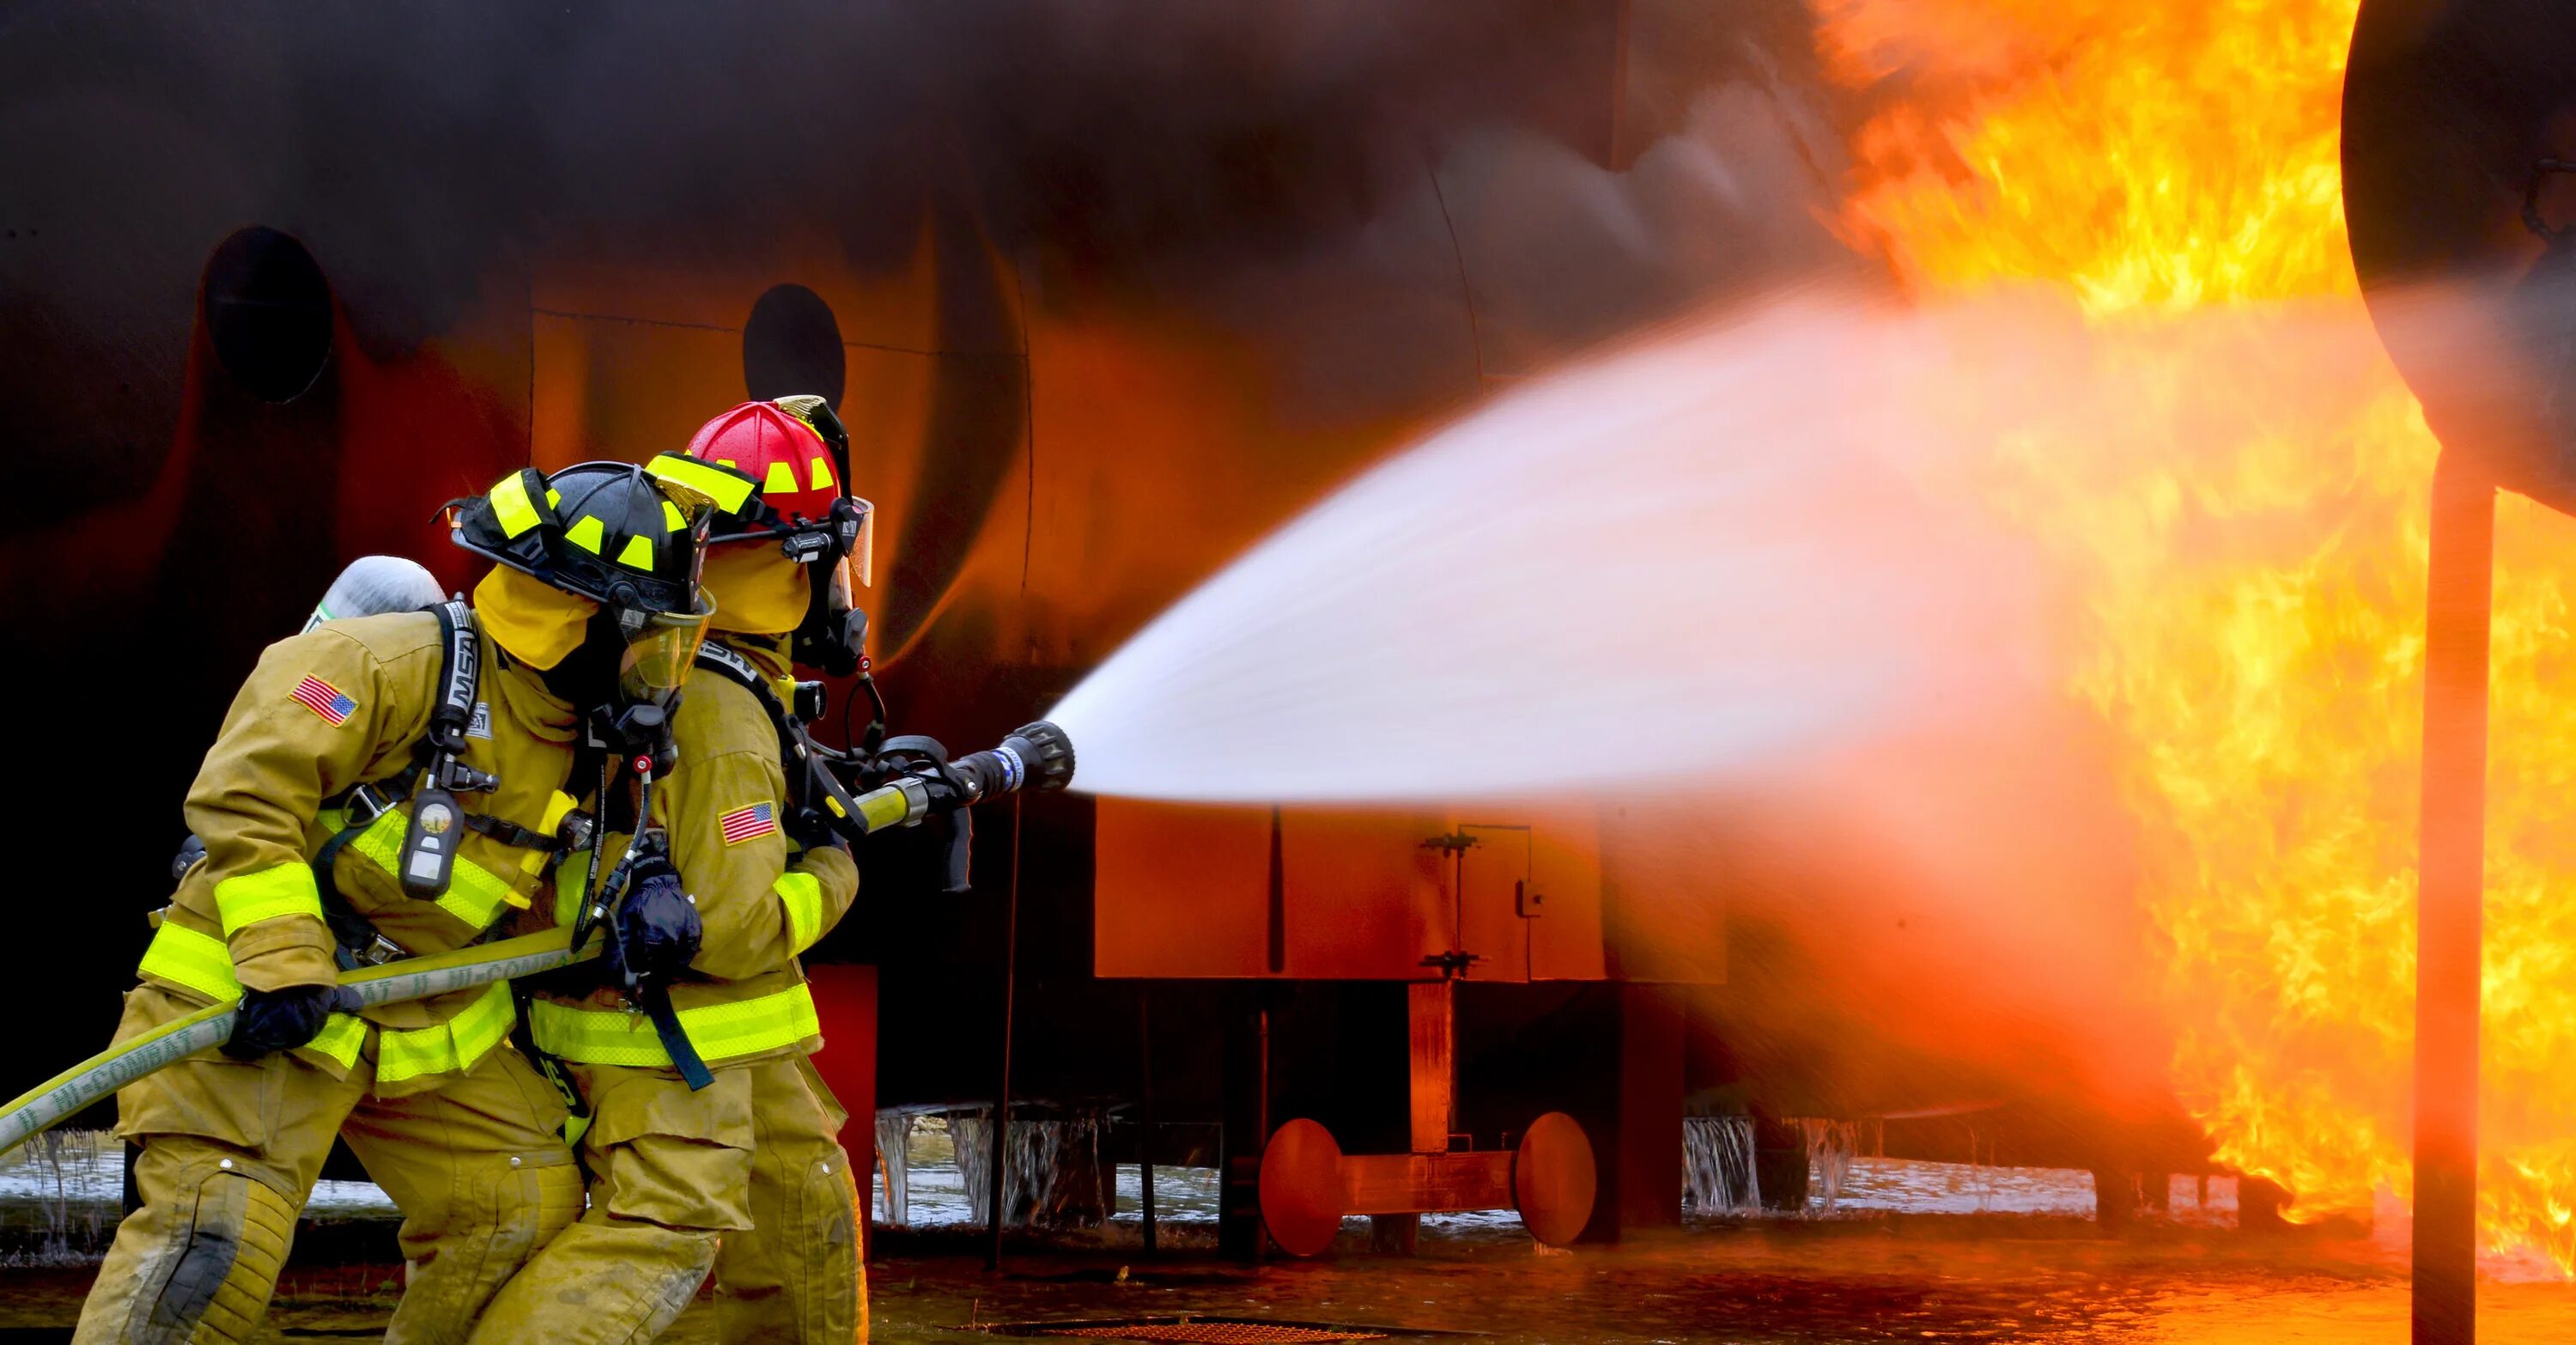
(653, 930)
(269, 1021)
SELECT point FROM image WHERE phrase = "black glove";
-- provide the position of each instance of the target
(656, 929)
(283, 1019)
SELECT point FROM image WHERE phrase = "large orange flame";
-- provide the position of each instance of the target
(2253, 587)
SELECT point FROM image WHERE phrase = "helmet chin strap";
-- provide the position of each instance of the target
(831, 636)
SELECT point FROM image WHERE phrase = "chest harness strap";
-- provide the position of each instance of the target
(426, 863)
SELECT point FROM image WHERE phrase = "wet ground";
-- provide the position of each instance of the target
(1995, 1278)
(1914, 1252)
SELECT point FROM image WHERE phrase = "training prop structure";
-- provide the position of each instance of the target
(1308, 1185)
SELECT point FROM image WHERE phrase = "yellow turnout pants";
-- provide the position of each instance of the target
(670, 1173)
(795, 1278)
(742, 1179)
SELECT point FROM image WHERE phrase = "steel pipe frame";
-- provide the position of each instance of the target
(2450, 899)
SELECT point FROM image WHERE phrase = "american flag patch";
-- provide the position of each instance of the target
(323, 699)
(751, 823)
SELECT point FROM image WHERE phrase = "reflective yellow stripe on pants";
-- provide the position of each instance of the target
(719, 1031)
(200, 962)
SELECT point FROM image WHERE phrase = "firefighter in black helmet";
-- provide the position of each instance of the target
(385, 787)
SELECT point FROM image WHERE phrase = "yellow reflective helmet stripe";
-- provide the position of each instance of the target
(586, 533)
(719, 1031)
(637, 554)
(822, 475)
(671, 515)
(802, 895)
(511, 507)
(201, 962)
(450, 1047)
(729, 491)
(782, 480)
(248, 898)
(475, 895)
(188, 957)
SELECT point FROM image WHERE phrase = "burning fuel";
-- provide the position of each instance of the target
(2253, 597)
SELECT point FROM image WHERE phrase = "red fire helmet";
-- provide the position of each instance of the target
(798, 452)
(781, 451)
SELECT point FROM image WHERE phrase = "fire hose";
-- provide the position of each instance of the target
(1037, 758)
(49, 1103)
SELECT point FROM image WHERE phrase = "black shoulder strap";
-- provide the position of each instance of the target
(735, 666)
(460, 669)
(793, 745)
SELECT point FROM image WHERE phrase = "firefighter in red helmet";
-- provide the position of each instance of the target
(743, 1176)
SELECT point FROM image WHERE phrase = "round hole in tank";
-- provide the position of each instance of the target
(792, 346)
(268, 311)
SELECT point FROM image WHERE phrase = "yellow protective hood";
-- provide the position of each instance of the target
(538, 623)
(757, 590)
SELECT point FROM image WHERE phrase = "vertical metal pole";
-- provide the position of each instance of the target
(1278, 898)
(1261, 1108)
(1145, 1104)
(1246, 1129)
(2459, 588)
(994, 1148)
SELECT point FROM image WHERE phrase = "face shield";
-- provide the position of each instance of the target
(660, 649)
(860, 559)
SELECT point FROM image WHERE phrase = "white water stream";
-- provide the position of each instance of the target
(1715, 548)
